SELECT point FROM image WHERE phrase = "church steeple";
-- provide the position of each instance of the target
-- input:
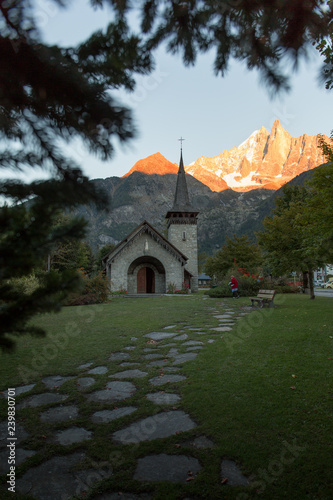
(182, 207)
(182, 227)
(181, 202)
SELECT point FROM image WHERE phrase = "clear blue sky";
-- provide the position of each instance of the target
(211, 113)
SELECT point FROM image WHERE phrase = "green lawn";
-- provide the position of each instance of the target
(263, 392)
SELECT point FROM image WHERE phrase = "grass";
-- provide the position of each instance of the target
(262, 393)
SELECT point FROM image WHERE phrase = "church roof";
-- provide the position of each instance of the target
(146, 227)
(181, 203)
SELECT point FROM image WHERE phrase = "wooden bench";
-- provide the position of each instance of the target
(263, 297)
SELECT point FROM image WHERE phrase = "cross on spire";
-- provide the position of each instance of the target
(181, 143)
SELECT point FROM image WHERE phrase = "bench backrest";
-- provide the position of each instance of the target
(269, 294)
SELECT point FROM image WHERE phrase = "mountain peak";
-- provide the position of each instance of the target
(154, 164)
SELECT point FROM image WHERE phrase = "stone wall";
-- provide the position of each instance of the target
(185, 238)
(147, 252)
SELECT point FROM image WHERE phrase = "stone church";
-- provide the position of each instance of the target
(147, 262)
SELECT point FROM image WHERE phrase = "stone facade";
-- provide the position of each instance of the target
(145, 249)
(184, 235)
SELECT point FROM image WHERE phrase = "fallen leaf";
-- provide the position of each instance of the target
(190, 479)
(293, 376)
(224, 481)
(293, 387)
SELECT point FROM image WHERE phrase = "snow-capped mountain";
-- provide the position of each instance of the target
(264, 160)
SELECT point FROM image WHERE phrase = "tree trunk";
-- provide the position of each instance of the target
(312, 295)
(305, 279)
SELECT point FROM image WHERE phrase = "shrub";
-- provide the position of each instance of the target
(220, 291)
(121, 291)
(171, 288)
(26, 284)
(285, 288)
(94, 290)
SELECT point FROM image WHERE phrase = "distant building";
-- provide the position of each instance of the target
(321, 274)
(204, 280)
(147, 262)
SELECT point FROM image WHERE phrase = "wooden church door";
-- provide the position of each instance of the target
(146, 280)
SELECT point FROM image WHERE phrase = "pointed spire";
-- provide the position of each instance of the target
(181, 202)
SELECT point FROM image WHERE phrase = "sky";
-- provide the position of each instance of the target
(211, 113)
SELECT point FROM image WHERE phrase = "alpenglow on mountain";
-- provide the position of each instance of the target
(265, 160)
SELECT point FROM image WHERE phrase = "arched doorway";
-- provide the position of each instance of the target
(145, 280)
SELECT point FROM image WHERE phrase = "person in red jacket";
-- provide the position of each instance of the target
(234, 287)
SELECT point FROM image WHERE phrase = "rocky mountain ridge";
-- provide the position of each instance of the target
(141, 196)
(265, 160)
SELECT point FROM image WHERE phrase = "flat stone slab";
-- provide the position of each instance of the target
(152, 356)
(72, 435)
(129, 374)
(55, 381)
(181, 337)
(105, 416)
(41, 399)
(84, 366)
(201, 442)
(160, 335)
(18, 390)
(158, 426)
(223, 316)
(193, 342)
(173, 468)
(222, 329)
(162, 362)
(55, 479)
(119, 356)
(172, 352)
(171, 369)
(20, 456)
(194, 348)
(20, 434)
(183, 358)
(98, 370)
(59, 414)
(169, 327)
(115, 391)
(84, 383)
(128, 363)
(163, 398)
(230, 471)
(166, 379)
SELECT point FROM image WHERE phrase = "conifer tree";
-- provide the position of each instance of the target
(48, 94)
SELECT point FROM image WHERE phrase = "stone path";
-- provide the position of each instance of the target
(73, 473)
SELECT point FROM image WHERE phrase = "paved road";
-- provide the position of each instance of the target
(322, 292)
